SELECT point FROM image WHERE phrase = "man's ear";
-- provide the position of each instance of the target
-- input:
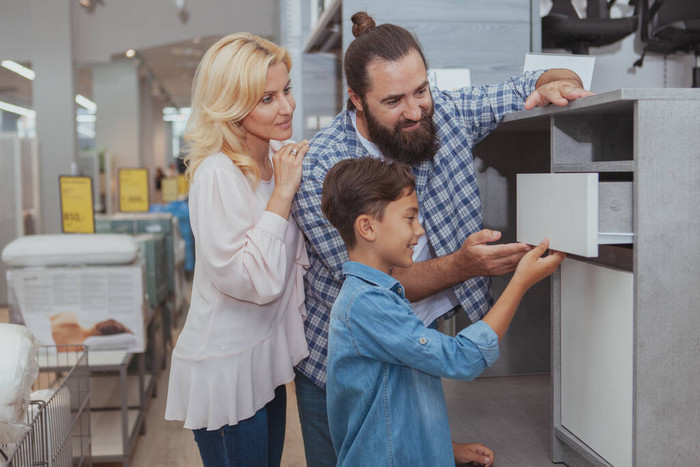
(364, 227)
(356, 101)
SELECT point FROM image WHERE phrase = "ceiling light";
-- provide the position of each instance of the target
(130, 53)
(86, 118)
(85, 102)
(19, 69)
(15, 109)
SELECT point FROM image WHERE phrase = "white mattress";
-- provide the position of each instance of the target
(70, 249)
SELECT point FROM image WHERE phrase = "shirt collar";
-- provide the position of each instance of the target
(373, 276)
(371, 148)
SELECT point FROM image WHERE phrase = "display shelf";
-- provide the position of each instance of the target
(324, 30)
(106, 394)
(96, 360)
(106, 430)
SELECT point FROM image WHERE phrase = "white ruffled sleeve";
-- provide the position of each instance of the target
(244, 259)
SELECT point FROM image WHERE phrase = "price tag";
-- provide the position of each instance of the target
(77, 213)
(133, 190)
(169, 189)
(182, 185)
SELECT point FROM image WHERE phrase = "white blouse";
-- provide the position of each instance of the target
(244, 331)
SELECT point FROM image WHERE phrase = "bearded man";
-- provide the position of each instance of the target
(392, 112)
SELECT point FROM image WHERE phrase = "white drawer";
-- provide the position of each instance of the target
(575, 210)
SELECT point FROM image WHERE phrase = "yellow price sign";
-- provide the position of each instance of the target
(168, 189)
(77, 213)
(133, 190)
(182, 185)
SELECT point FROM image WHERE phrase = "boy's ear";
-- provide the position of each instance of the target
(357, 102)
(364, 227)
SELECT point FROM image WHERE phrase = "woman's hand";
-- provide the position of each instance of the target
(287, 166)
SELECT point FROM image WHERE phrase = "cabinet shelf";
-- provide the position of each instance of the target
(595, 166)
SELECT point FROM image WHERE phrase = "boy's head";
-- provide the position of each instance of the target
(372, 201)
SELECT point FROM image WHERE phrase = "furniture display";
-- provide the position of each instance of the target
(562, 28)
(670, 26)
(624, 324)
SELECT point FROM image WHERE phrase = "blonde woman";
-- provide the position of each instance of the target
(244, 331)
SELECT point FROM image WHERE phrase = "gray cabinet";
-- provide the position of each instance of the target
(624, 325)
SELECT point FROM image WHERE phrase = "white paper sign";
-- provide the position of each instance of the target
(97, 306)
(450, 79)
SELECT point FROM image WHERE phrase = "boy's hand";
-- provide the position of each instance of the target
(473, 453)
(533, 267)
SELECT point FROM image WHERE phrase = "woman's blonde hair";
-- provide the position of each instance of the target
(229, 82)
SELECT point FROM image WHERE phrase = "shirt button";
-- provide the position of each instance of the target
(399, 290)
(422, 340)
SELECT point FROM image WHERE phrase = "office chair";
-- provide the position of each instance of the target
(563, 29)
(670, 26)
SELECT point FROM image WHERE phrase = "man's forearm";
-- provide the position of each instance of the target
(429, 277)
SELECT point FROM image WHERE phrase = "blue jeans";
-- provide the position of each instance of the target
(255, 441)
(311, 401)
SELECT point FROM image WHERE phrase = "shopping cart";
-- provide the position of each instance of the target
(58, 416)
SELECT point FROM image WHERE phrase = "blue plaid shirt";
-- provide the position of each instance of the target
(448, 197)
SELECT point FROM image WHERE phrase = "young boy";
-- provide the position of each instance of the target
(384, 394)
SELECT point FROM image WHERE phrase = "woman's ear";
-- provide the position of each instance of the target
(364, 227)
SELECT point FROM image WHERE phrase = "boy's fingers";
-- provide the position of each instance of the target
(554, 259)
(540, 248)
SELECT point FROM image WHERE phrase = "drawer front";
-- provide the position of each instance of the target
(597, 306)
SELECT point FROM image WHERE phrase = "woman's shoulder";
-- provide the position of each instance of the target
(216, 164)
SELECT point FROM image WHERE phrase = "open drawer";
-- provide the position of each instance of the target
(575, 210)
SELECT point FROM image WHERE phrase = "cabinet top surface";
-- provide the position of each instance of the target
(618, 100)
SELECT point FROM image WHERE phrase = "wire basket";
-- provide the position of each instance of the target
(58, 416)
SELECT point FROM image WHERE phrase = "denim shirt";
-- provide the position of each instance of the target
(385, 401)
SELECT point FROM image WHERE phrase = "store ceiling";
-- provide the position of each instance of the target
(171, 66)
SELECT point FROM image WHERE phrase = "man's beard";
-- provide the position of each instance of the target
(409, 147)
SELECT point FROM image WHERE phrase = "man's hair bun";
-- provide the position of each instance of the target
(361, 23)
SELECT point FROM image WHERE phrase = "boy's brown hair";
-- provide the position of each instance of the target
(362, 186)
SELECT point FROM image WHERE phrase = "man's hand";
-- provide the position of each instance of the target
(557, 86)
(472, 453)
(476, 258)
